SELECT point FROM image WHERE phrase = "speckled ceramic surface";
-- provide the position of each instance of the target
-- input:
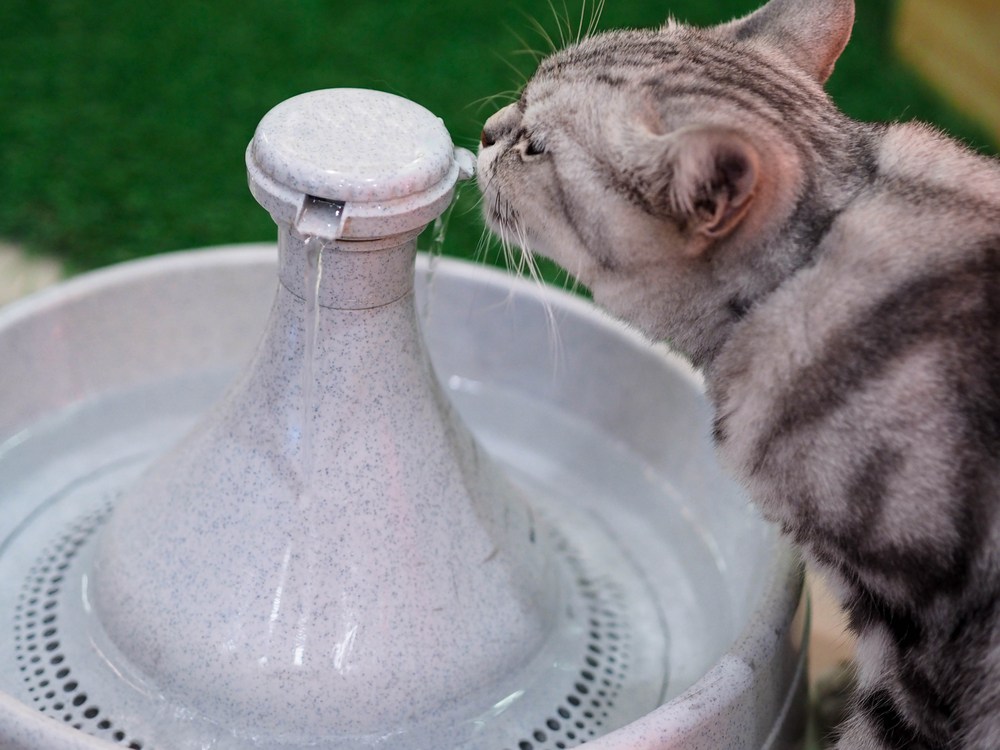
(390, 160)
(353, 145)
(348, 608)
(329, 554)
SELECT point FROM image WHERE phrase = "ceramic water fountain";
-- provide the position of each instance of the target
(490, 542)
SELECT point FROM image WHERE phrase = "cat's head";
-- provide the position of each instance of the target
(635, 155)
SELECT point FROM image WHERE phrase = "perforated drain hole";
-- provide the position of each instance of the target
(50, 680)
(583, 713)
(591, 699)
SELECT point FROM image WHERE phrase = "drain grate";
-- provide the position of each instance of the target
(49, 678)
(590, 693)
(604, 666)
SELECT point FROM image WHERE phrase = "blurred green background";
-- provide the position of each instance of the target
(123, 124)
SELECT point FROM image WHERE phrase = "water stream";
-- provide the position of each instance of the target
(331, 215)
(314, 248)
(435, 251)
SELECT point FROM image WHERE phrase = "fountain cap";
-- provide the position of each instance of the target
(385, 162)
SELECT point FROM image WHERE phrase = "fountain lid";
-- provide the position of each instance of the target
(317, 148)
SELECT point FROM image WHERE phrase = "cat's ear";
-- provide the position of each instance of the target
(812, 33)
(712, 175)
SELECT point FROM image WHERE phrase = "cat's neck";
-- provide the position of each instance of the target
(754, 271)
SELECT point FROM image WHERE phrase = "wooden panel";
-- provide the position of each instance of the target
(955, 44)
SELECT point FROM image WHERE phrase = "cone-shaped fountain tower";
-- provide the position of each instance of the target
(330, 555)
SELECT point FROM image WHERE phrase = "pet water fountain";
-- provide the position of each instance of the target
(504, 543)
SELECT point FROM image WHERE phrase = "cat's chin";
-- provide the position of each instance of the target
(616, 300)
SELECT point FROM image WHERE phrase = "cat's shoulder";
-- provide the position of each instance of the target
(932, 205)
(917, 156)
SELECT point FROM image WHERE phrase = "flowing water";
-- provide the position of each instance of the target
(332, 214)
(313, 278)
(434, 247)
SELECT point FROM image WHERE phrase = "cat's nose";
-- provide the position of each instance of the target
(499, 125)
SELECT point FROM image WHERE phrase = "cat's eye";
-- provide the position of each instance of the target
(534, 147)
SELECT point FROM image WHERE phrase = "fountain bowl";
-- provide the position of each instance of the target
(563, 397)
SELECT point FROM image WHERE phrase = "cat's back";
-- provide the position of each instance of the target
(925, 181)
(867, 389)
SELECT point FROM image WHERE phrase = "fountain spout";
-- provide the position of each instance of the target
(329, 557)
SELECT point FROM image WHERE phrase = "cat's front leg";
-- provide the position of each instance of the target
(878, 719)
(865, 730)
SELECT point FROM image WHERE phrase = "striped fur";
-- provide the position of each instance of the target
(839, 285)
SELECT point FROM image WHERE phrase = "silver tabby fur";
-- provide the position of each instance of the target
(838, 283)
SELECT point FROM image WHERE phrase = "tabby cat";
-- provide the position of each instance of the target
(838, 284)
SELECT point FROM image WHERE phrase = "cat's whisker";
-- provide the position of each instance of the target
(508, 252)
(504, 96)
(554, 334)
(579, 25)
(571, 278)
(526, 47)
(534, 273)
(516, 257)
(535, 55)
(596, 9)
(519, 258)
(571, 37)
(505, 244)
(526, 265)
(520, 75)
(559, 22)
(474, 207)
(542, 31)
(512, 265)
(501, 212)
(527, 51)
(595, 18)
(480, 254)
(575, 286)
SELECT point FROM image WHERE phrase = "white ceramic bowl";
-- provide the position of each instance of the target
(736, 668)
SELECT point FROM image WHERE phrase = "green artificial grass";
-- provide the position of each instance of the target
(123, 125)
